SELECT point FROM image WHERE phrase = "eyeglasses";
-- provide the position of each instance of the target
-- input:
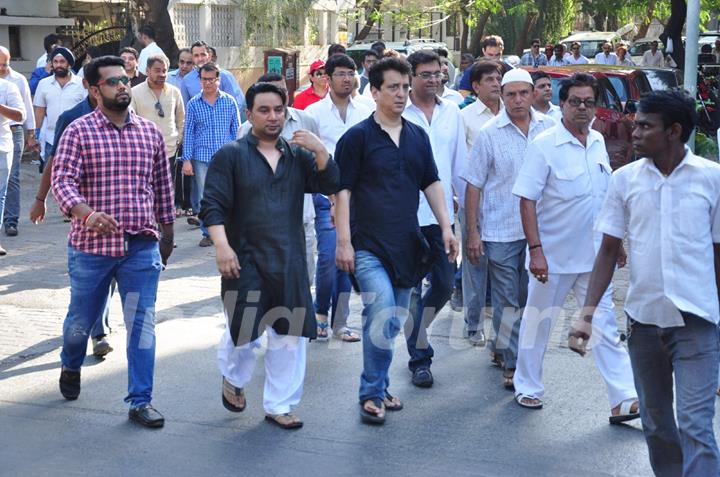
(114, 81)
(318, 74)
(536, 46)
(576, 102)
(344, 74)
(426, 75)
(159, 109)
(209, 80)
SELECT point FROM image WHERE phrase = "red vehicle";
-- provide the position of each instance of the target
(612, 119)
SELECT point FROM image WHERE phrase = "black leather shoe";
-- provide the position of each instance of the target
(422, 378)
(69, 384)
(147, 416)
(11, 230)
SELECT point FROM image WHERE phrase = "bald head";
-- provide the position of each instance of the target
(4, 61)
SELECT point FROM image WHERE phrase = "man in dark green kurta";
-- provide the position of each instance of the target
(253, 208)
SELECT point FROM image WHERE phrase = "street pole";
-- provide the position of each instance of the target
(692, 32)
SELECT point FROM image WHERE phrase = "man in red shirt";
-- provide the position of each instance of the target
(111, 175)
(318, 86)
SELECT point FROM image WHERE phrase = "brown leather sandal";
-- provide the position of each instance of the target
(285, 421)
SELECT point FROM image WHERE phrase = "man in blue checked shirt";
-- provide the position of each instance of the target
(191, 86)
(211, 120)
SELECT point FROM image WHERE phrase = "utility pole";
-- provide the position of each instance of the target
(692, 32)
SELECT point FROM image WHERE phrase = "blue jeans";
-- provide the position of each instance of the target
(506, 269)
(424, 308)
(198, 189)
(4, 177)
(384, 312)
(102, 324)
(12, 199)
(474, 284)
(691, 353)
(137, 275)
(332, 286)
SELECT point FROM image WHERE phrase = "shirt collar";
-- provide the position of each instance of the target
(100, 117)
(254, 141)
(293, 114)
(503, 119)
(689, 160)
(562, 136)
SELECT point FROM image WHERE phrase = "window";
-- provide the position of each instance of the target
(14, 42)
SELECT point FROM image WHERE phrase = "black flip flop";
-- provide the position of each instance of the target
(393, 407)
(368, 417)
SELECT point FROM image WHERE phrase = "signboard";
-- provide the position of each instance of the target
(274, 64)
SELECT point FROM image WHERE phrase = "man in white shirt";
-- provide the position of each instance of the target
(606, 56)
(575, 57)
(337, 112)
(445, 92)
(55, 95)
(485, 80)
(442, 122)
(667, 204)
(492, 168)
(295, 120)
(653, 57)
(561, 186)
(543, 94)
(558, 58)
(22, 131)
(146, 35)
(12, 109)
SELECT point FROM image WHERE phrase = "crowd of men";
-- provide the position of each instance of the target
(359, 186)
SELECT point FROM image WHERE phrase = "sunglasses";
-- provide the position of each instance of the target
(576, 102)
(113, 82)
(159, 109)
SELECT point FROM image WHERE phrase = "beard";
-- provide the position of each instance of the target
(61, 72)
(115, 104)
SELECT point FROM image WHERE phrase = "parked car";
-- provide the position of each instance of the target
(591, 42)
(629, 82)
(407, 47)
(662, 78)
(640, 46)
(611, 120)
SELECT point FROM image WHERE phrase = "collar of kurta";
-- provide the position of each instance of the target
(254, 141)
(503, 118)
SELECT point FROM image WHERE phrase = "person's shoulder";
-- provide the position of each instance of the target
(144, 123)
(45, 82)
(547, 137)
(317, 106)
(140, 88)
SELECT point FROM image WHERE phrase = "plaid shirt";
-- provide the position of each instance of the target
(122, 172)
(208, 128)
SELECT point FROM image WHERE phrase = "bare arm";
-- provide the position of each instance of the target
(38, 209)
(436, 199)
(473, 244)
(13, 114)
(528, 215)
(344, 253)
(39, 116)
(227, 261)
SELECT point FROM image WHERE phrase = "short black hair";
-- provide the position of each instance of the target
(376, 75)
(200, 44)
(378, 46)
(538, 75)
(482, 68)
(674, 106)
(259, 88)
(370, 52)
(148, 31)
(92, 69)
(578, 80)
(131, 50)
(212, 50)
(442, 52)
(269, 78)
(338, 60)
(536, 40)
(184, 50)
(160, 57)
(467, 57)
(50, 40)
(492, 40)
(336, 48)
(210, 67)
(422, 57)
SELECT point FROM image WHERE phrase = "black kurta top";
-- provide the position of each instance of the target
(263, 217)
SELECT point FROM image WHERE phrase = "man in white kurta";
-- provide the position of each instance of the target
(562, 185)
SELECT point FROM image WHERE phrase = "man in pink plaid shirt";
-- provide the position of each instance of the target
(111, 175)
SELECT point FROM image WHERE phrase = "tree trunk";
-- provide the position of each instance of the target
(158, 17)
(530, 22)
(465, 31)
(477, 36)
(649, 12)
(369, 19)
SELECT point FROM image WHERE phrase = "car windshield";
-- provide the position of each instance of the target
(590, 48)
(620, 86)
(660, 80)
(639, 49)
(555, 82)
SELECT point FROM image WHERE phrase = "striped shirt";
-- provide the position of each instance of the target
(121, 172)
(208, 127)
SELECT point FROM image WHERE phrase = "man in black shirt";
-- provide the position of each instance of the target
(385, 161)
(253, 208)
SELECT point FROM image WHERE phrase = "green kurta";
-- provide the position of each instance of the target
(263, 217)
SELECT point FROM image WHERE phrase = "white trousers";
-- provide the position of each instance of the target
(284, 367)
(544, 304)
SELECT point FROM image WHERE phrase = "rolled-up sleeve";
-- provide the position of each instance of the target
(532, 176)
(217, 201)
(163, 184)
(611, 220)
(66, 171)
